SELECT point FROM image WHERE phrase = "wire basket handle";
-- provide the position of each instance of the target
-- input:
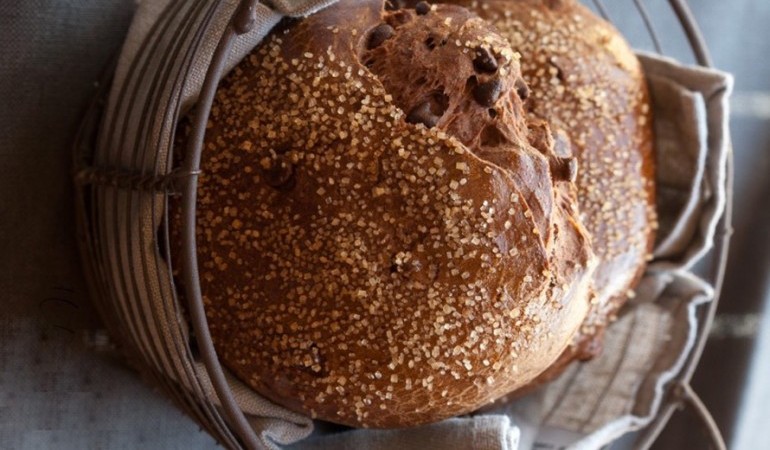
(242, 22)
(684, 397)
(687, 395)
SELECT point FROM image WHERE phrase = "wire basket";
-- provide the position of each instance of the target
(118, 193)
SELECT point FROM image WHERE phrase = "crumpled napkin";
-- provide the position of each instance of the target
(587, 407)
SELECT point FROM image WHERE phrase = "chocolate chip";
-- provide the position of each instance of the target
(485, 61)
(564, 169)
(486, 94)
(280, 173)
(429, 111)
(522, 90)
(424, 114)
(380, 34)
(422, 8)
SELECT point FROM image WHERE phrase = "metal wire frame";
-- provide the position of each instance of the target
(232, 428)
(129, 325)
(242, 22)
(680, 391)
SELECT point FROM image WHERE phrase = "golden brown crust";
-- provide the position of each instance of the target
(586, 81)
(369, 270)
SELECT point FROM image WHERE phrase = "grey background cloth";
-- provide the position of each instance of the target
(53, 391)
(58, 387)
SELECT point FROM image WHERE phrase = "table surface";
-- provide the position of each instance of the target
(60, 388)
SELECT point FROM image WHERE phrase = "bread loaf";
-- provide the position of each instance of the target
(385, 236)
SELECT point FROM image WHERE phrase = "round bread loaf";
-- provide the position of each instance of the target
(586, 82)
(385, 237)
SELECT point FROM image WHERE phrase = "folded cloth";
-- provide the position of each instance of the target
(693, 136)
(492, 432)
(159, 75)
